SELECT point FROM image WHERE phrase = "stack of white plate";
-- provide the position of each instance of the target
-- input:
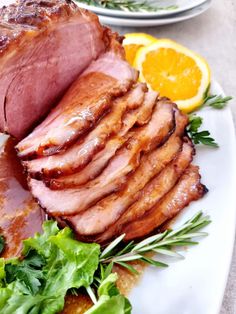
(172, 11)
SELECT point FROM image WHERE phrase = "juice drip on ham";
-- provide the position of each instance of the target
(20, 215)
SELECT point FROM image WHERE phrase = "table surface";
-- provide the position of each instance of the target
(213, 35)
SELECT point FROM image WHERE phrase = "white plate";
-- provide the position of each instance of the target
(182, 5)
(196, 284)
(155, 21)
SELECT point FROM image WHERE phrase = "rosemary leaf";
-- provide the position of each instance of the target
(153, 262)
(91, 294)
(129, 267)
(216, 101)
(149, 240)
(168, 253)
(112, 245)
(128, 258)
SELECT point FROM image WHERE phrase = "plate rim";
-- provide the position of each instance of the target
(218, 299)
(118, 13)
(126, 22)
(232, 240)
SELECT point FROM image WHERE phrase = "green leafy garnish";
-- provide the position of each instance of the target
(199, 137)
(54, 263)
(216, 101)
(195, 122)
(162, 243)
(127, 5)
(2, 244)
(109, 298)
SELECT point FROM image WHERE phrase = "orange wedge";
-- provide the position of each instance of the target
(175, 72)
(133, 42)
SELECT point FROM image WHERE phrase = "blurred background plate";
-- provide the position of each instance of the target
(155, 21)
(168, 7)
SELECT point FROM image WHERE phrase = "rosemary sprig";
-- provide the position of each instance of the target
(162, 243)
(126, 5)
(216, 101)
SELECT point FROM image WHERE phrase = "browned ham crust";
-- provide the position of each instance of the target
(113, 177)
(81, 107)
(39, 59)
(110, 157)
(104, 214)
(113, 144)
(188, 189)
(81, 153)
(150, 194)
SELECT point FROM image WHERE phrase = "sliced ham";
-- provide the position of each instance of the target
(104, 214)
(99, 162)
(149, 196)
(44, 46)
(72, 201)
(145, 114)
(80, 154)
(81, 107)
(187, 190)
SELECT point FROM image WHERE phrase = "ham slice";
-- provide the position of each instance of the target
(113, 177)
(105, 213)
(89, 97)
(149, 196)
(81, 153)
(187, 190)
(100, 161)
(39, 59)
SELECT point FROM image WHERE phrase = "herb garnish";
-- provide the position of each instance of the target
(202, 137)
(127, 5)
(216, 101)
(195, 122)
(55, 263)
(162, 243)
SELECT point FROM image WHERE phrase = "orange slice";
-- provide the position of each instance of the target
(175, 72)
(133, 42)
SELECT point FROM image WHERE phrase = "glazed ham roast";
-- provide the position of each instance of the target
(106, 156)
(44, 46)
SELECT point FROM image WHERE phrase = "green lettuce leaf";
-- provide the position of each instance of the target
(54, 263)
(110, 300)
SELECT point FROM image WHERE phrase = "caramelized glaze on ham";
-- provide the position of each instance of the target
(113, 177)
(81, 107)
(105, 213)
(149, 195)
(80, 154)
(188, 189)
(95, 167)
(43, 48)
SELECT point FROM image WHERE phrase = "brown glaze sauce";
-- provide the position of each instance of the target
(21, 217)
